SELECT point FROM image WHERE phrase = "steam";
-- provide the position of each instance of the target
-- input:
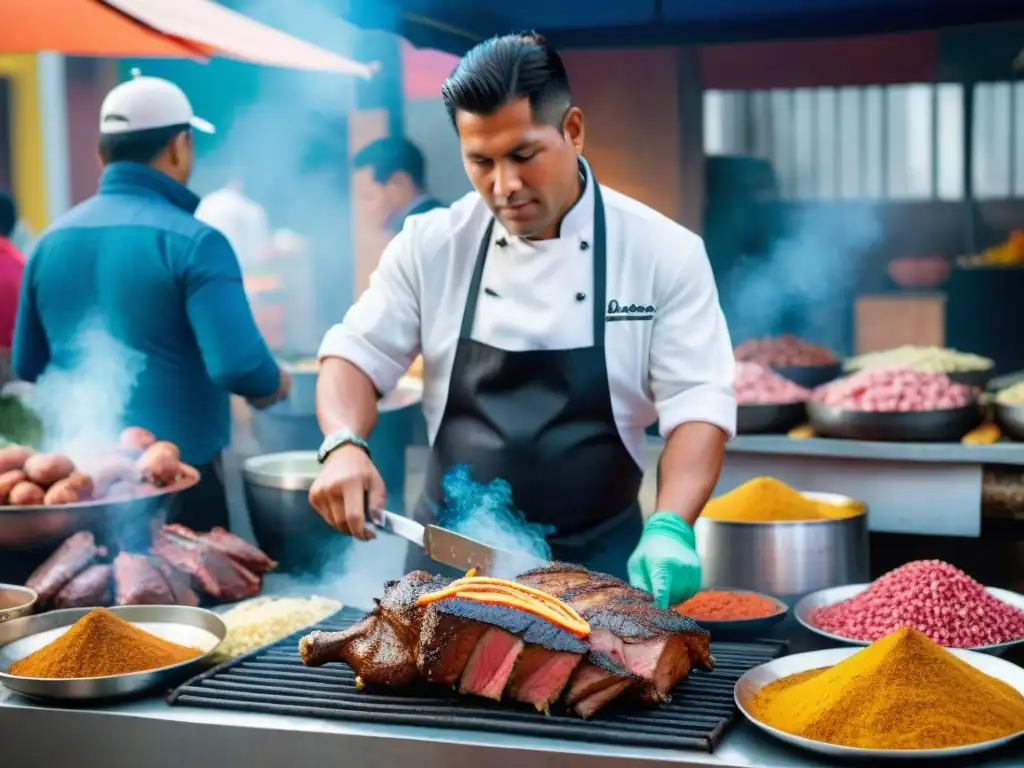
(802, 285)
(485, 512)
(82, 407)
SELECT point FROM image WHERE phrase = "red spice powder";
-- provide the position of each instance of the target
(724, 605)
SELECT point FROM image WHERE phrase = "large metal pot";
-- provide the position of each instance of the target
(286, 527)
(786, 559)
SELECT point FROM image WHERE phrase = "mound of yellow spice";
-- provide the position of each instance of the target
(767, 500)
(101, 644)
(902, 692)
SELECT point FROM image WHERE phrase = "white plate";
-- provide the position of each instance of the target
(756, 679)
(824, 598)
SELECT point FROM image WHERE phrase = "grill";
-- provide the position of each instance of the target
(273, 680)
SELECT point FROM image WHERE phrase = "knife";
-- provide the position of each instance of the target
(454, 549)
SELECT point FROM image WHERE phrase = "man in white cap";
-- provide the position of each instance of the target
(162, 284)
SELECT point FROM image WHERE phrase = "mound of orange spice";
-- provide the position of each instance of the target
(726, 605)
(101, 644)
(482, 589)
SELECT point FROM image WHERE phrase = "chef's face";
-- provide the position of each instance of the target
(525, 171)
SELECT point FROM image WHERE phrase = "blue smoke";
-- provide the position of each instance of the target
(486, 513)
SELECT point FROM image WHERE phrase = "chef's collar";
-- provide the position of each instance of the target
(578, 218)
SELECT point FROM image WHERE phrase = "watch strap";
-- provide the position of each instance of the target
(340, 438)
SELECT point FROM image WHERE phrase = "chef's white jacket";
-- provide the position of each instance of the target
(671, 360)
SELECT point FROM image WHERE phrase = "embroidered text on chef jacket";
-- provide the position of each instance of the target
(667, 346)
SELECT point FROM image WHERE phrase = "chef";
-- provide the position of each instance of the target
(557, 319)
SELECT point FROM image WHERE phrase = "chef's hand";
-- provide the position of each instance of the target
(348, 482)
(665, 562)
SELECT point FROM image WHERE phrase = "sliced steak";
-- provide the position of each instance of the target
(239, 550)
(89, 589)
(541, 675)
(216, 574)
(490, 664)
(178, 582)
(596, 675)
(445, 644)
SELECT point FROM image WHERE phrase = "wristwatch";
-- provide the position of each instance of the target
(336, 440)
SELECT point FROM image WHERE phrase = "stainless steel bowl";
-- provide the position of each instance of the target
(1010, 419)
(810, 376)
(828, 597)
(765, 418)
(16, 601)
(902, 427)
(191, 627)
(284, 523)
(785, 559)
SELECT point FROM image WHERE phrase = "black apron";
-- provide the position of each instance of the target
(542, 420)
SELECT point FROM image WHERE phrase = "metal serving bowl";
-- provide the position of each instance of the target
(16, 601)
(39, 526)
(900, 427)
(810, 376)
(1010, 419)
(786, 559)
(284, 523)
(738, 630)
(772, 418)
(979, 378)
(828, 597)
(184, 625)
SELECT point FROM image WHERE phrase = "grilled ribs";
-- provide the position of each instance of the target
(500, 652)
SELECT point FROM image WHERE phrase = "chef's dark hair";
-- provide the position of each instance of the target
(8, 213)
(388, 156)
(137, 146)
(506, 68)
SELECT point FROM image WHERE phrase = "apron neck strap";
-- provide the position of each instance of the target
(600, 268)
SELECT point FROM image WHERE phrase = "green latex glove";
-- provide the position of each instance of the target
(665, 562)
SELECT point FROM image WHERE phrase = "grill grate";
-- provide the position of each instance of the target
(273, 680)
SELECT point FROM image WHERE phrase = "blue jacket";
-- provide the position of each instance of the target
(129, 284)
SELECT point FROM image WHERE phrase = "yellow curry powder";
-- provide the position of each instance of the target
(902, 692)
(767, 500)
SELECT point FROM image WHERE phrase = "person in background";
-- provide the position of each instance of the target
(164, 285)
(241, 220)
(12, 265)
(394, 181)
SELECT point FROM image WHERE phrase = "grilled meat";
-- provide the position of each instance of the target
(89, 589)
(241, 551)
(138, 582)
(71, 558)
(178, 583)
(216, 574)
(497, 651)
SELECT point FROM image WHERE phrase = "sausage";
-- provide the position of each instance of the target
(8, 480)
(26, 494)
(136, 439)
(14, 457)
(82, 484)
(45, 469)
(159, 464)
(61, 492)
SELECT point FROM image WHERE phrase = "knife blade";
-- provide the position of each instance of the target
(454, 549)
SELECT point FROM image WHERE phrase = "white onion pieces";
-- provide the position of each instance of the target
(266, 620)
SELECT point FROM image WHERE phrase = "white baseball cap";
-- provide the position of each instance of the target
(144, 103)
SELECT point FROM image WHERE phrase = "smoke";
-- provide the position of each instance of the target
(288, 146)
(803, 284)
(485, 512)
(82, 407)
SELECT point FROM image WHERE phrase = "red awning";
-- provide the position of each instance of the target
(164, 28)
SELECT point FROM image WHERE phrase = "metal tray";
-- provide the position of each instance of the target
(193, 627)
(739, 630)
(810, 376)
(769, 418)
(897, 427)
(1010, 419)
(754, 680)
(16, 601)
(826, 597)
(40, 526)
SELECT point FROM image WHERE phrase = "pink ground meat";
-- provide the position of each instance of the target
(757, 385)
(931, 596)
(785, 351)
(894, 390)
